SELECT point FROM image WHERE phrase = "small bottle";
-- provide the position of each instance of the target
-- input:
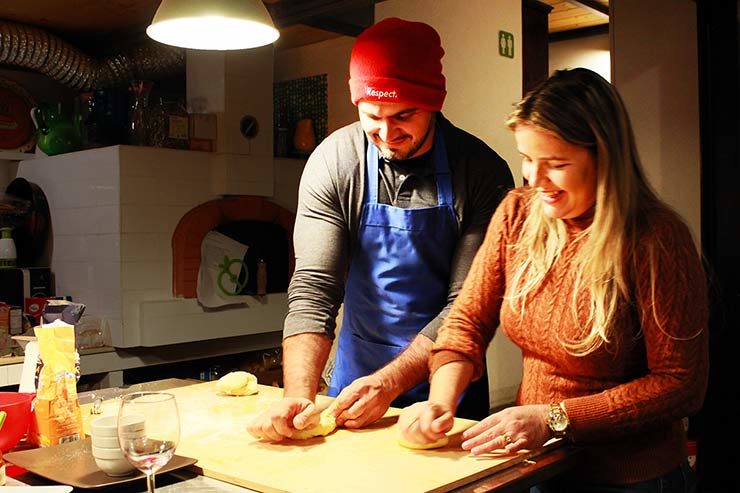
(261, 277)
(8, 253)
(281, 134)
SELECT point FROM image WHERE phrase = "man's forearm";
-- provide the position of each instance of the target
(304, 358)
(409, 368)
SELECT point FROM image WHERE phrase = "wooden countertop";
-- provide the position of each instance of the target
(368, 460)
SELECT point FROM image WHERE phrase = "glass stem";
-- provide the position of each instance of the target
(150, 483)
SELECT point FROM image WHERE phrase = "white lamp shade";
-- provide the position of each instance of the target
(213, 24)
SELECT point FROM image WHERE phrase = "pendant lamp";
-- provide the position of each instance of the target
(213, 24)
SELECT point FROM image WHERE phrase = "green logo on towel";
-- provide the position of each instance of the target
(226, 272)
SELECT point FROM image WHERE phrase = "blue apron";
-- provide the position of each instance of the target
(398, 280)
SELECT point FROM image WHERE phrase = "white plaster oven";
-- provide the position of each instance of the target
(114, 211)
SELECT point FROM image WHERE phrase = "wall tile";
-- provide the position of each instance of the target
(131, 301)
(115, 324)
(108, 276)
(105, 193)
(72, 248)
(105, 248)
(143, 219)
(101, 220)
(162, 163)
(191, 192)
(73, 194)
(72, 277)
(111, 302)
(146, 275)
(145, 190)
(146, 247)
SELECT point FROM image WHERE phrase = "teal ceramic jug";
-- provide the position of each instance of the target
(59, 128)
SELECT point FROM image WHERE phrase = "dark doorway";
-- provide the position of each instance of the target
(719, 103)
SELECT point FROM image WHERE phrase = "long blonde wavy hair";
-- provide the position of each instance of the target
(583, 109)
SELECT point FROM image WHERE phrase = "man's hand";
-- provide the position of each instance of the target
(283, 418)
(363, 402)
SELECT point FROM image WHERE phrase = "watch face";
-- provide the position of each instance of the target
(559, 422)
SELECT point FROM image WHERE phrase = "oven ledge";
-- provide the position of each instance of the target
(184, 320)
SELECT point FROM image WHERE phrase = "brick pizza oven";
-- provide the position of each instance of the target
(196, 223)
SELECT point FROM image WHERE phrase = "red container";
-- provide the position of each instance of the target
(17, 405)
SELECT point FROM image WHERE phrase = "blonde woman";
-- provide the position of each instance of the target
(600, 285)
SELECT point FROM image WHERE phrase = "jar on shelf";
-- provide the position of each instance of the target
(304, 138)
(169, 125)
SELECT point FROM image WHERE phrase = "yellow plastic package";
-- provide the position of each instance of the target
(57, 417)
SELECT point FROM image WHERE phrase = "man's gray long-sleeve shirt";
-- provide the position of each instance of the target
(330, 202)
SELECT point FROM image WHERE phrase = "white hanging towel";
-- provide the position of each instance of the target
(221, 264)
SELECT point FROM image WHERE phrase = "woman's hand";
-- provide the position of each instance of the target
(425, 422)
(513, 429)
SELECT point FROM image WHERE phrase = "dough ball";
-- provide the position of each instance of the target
(405, 421)
(237, 383)
(327, 423)
(424, 446)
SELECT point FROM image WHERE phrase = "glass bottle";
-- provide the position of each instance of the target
(91, 123)
(157, 129)
(138, 112)
(8, 252)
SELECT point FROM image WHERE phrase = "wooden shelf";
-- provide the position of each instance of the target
(108, 360)
(15, 156)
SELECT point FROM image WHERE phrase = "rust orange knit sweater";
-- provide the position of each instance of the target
(625, 401)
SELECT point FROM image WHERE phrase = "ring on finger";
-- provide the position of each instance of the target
(507, 438)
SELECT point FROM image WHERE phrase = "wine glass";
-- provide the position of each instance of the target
(149, 446)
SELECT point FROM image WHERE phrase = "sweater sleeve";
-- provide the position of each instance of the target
(321, 236)
(486, 180)
(672, 307)
(474, 317)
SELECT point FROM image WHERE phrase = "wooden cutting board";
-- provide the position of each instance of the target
(213, 430)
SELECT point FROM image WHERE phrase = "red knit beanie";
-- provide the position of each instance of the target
(398, 61)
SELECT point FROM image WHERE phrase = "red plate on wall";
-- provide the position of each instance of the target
(17, 131)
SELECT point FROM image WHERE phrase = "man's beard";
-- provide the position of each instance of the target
(390, 155)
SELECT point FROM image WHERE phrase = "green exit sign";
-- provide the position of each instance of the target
(506, 44)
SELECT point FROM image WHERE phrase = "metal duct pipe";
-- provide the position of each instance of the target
(33, 48)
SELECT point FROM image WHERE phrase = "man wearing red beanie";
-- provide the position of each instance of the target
(391, 212)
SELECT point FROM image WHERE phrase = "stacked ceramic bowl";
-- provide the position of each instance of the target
(105, 447)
